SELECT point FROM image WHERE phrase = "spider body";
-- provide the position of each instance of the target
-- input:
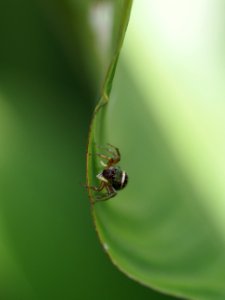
(112, 178)
(116, 177)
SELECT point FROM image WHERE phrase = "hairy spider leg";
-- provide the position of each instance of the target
(110, 194)
(115, 151)
(103, 156)
(97, 188)
(116, 154)
(111, 160)
(103, 183)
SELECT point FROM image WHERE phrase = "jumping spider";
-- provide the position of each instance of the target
(112, 178)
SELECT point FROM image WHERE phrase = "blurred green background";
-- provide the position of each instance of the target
(48, 89)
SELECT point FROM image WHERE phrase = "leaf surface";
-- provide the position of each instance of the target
(166, 115)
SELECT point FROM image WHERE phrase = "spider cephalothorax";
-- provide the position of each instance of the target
(112, 178)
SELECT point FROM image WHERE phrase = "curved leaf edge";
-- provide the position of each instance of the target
(153, 287)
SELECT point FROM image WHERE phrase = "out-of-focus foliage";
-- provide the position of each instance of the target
(166, 114)
(50, 77)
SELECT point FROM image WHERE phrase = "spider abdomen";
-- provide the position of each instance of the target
(117, 178)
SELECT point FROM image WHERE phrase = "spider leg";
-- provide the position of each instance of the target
(110, 193)
(111, 160)
(103, 156)
(104, 183)
(115, 151)
(97, 188)
(116, 155)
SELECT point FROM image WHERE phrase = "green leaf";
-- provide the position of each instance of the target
(48, 249)
(166, 115)
(96, 135)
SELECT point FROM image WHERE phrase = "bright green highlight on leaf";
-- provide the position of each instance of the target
(166, 115)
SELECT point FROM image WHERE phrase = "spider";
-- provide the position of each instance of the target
(112, 178)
